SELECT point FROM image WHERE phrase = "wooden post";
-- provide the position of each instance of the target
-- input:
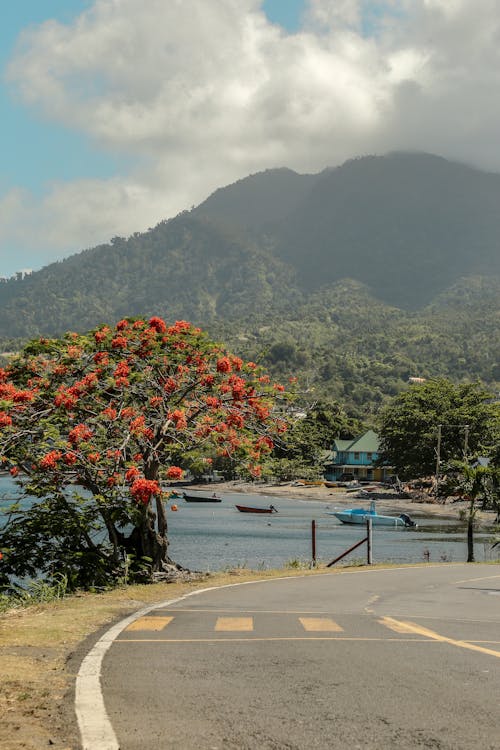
(369, 541)
(313, 541)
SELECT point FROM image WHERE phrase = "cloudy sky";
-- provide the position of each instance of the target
(117, 114)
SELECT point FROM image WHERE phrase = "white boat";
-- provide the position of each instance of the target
(361, 515)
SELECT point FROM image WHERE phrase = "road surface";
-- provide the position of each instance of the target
(369, 659)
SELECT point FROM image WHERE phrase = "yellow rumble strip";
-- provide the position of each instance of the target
(320, 625)
(150, 623)
(234, 623)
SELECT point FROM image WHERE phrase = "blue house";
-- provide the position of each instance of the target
(355, 460)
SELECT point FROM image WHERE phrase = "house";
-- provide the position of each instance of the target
(355, 459)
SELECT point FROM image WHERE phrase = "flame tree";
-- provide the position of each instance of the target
(93, 426)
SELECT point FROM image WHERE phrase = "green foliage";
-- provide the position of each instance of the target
(409, 425)
(34, 592)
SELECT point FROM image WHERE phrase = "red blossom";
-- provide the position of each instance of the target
(155, 400)
(119, 342)
(122, 325)
(102, 334)
(79, 433)
(14, 471)
(70, 458)
(265, 443)
(237, 363)
(137, 425)
(213, 402)
(101, 358)
(158, 324)
(122, 369)
(132, 474)
(179, 419)
(236, 420)
(94, 457)
(181, 326)
(50, 460)
(224, 364)
(5, 420)
(143, 489)
(75, 352)
(174, 472)
(110, 412)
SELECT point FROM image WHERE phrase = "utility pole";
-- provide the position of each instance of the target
(438, 459)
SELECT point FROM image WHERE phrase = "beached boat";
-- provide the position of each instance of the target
(361, 515)
(250, 509)
(201, 497)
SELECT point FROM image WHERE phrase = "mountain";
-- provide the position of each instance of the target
(407, 225)
(354, 278)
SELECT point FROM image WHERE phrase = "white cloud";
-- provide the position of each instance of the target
(201, 92)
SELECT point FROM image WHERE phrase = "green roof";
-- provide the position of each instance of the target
(367, 443)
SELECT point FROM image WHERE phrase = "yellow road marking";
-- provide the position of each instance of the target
(234, 623)
(473, 580)
(320, 624)
(410, 627)
(273, 638)
(150, 623)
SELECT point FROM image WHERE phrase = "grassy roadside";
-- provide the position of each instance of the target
(41, 647)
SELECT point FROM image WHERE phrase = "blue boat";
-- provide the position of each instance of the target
(361, 515)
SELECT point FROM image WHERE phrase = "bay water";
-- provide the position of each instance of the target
(216, 536)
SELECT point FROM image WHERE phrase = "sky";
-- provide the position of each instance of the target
(118, 114)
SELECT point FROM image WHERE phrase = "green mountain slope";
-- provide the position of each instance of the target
(353, 279)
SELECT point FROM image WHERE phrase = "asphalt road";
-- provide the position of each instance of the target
(378, 659)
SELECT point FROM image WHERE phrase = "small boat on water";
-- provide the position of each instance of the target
(361, 515)
(201, 497)
(250, 509)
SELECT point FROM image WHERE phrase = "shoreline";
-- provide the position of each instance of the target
(387, 500)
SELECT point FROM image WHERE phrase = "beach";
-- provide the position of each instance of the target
(388, 501)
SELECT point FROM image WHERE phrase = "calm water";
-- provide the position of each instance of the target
(214, 536)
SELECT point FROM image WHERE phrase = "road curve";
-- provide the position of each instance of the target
(370, 659)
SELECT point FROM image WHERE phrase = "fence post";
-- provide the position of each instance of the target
(313, 542)
(369, 540)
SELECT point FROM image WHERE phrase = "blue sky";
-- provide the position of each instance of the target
(120, 114)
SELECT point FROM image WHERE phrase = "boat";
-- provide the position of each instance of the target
(361, 515)
(201, 497)
(250, 509)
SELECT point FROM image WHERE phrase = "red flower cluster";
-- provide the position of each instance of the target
(143, 489)
(174, 472)
(224, 364)
(102, 334)
(79, 433)
(158, 324)
(5, 420)
(132, 474)
(119, 342)
(49, 461)
(179, 419)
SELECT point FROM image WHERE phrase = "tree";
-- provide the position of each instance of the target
(308, 437)
(94, 425)
(469, 419)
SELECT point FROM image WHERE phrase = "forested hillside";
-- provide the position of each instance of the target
(352, 280)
